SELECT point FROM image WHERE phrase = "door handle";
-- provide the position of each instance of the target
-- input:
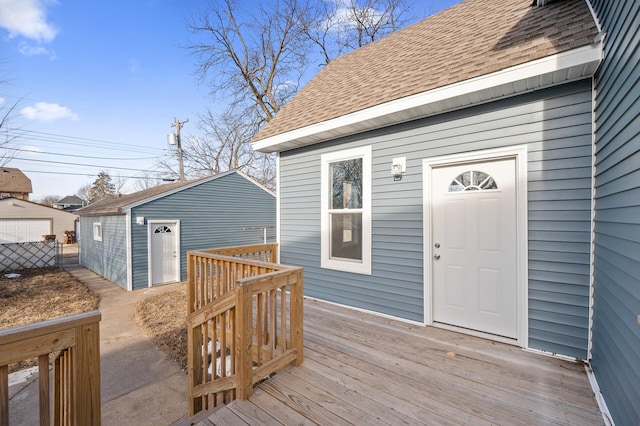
(436, 256)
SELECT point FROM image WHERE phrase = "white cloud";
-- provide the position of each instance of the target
(44, 111)
(29, 50)
(2, 101)
(344, 18)
(31, 151)
(27, 18)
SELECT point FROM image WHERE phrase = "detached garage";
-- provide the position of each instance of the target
(25, 221)
(140, 240)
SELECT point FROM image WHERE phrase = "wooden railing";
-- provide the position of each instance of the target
(244, 321)
(75, 343)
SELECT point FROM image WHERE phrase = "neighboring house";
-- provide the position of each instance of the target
(70, 203)
(479, 171)
(22, 221)
(14, 183)
(141, 239)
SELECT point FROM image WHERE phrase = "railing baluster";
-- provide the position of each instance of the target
(283, 319)
(43, 389)
(56, 391)
(4, 395)
(259, 326)
(273, 322)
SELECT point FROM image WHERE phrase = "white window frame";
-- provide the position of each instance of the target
(356, 266)
(97, 231)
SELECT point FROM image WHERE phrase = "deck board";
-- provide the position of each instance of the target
(366, 369)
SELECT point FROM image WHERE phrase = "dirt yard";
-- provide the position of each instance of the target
(41, 294)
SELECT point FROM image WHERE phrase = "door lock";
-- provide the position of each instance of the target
(437, 245)
(436, 256)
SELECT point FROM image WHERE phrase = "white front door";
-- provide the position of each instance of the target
(474, 261)
(164, 257)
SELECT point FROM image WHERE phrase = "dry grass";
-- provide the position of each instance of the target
(162, 317)
(42, 294)
(39, 295)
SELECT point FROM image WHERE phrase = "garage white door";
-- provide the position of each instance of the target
(21, 230)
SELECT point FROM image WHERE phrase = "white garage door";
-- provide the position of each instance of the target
(21, 230)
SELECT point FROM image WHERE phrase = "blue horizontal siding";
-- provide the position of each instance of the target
(212, 214)
(616, 305)
(554, 124)
(108, 257)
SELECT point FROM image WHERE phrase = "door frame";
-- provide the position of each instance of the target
(519, 154)
(150, 226)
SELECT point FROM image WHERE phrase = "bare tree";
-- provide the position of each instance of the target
(49, 200)
(84, 192)
(255, 62)
(7, 135)
(224, 144)
(263, 170)
(119, 183)
(337, 27)
(147, 181)
(252, 60)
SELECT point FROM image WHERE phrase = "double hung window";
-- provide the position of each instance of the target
(346, 210)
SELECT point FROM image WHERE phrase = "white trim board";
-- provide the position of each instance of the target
(129, 250)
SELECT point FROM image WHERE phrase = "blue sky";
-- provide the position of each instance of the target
(99, 84)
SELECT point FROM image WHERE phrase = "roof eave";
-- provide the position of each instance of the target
(571, 65)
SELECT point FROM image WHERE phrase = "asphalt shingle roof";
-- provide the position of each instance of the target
(13, 180)
(70, 199)
(468, 40)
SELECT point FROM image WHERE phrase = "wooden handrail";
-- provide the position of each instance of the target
(76, 384)
(263, 252)
(244, 321)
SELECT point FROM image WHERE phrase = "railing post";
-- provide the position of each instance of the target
(87, 375)
(244, 331)
(297, 314)
(195, 361)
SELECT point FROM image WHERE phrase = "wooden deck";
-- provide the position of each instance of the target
(365, 370)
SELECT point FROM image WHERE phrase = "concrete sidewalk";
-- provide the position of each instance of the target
(139, 385)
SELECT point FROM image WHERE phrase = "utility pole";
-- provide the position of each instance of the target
(178, 125)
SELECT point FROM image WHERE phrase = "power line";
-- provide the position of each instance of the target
(85, 174)
(85, 156)
(76, 164)
(76, 140)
